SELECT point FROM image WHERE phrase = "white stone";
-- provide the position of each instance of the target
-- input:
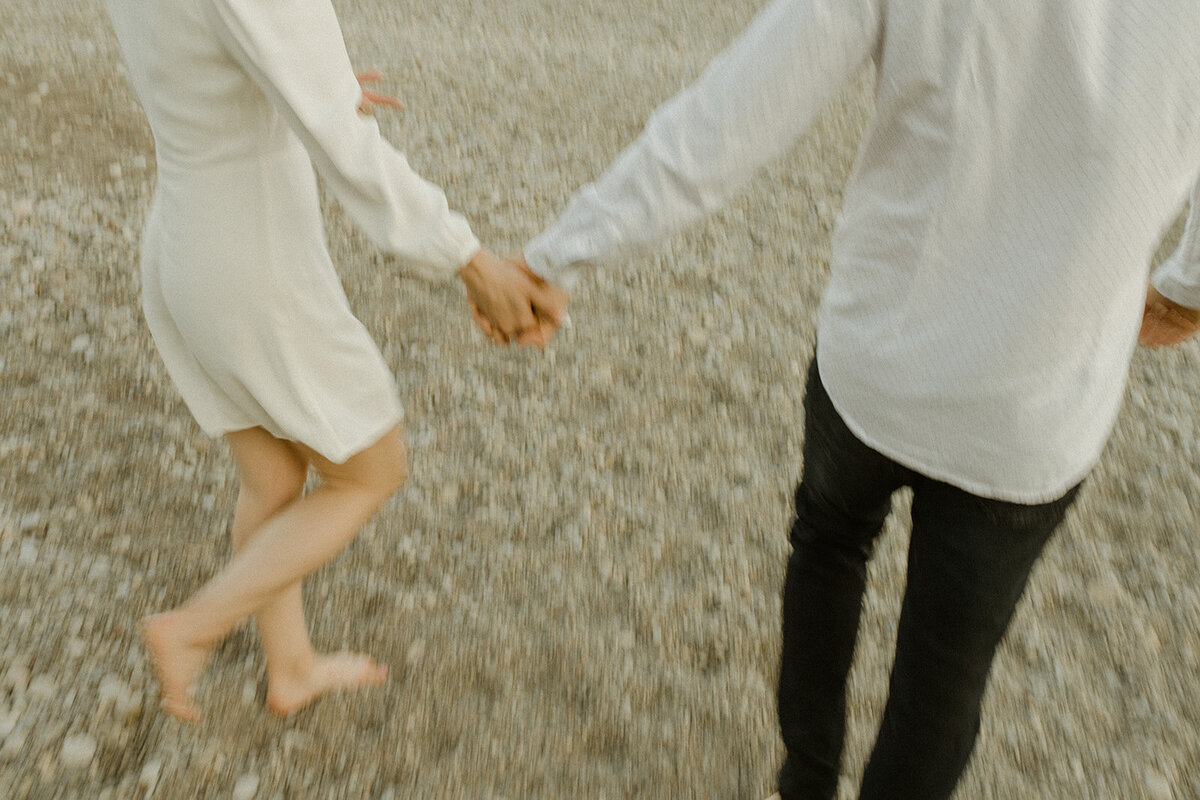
(42, 687)
(416, 651)
(8, 723)
(148, 779)
(1106, 591)
(1158, 787)
(13, 744)
(17, 678)
(246, 787)
(77, 751)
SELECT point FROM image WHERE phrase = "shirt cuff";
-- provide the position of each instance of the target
(1179, 281)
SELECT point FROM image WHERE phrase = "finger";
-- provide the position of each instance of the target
(369, 76)
(534, 337)
(550, 302)
(382, 99)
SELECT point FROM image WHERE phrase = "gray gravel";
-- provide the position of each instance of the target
(578, 591)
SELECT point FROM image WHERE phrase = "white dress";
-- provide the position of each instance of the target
(243, 302)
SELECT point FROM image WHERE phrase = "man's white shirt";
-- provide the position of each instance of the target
(990, 264)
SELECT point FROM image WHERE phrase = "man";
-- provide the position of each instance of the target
(987, 283)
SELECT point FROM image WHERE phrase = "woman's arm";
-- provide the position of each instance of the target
(294, 51)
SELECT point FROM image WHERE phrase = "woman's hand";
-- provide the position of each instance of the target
(372, 99)
(509, 302)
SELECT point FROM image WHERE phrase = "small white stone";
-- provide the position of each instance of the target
(114, 171)
(1158, 787)
(13, 744)
(148, 779)
(1106, 591)
(112, 690)
(77, 751)
(43, 88)
(246, 787)
(138, 162)
(22, 208)
(8, 723)
(416, 651)
(42, 688)
(80, 343)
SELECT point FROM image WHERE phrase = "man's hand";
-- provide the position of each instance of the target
(1166, 322)
(509, 302)
(372, 99)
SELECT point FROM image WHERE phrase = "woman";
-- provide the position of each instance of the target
(243, 97)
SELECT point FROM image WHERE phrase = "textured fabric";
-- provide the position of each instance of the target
(238, 288)
(990, 263)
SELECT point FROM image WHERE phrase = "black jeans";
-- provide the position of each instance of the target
(968, 561)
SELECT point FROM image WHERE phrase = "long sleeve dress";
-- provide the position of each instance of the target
(244, 97)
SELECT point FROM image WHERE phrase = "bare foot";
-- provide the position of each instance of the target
(329, 673)
(176, 664)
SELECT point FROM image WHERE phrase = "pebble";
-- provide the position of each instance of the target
(42, 688)
(77, 751)
(1158, 787)
(246, 787)
(14, 743)
(1106, 591)
(17, 678)
(8, 723)
(148, 778)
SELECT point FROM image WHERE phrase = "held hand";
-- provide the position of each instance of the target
(510, 303)
(372, 99)
(1166, 322)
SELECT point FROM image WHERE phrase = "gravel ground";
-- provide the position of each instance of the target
(578, 590)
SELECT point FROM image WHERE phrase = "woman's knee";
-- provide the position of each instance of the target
(270, 471)
(381, 469)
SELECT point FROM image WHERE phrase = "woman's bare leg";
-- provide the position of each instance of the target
(273, 472)
(269, 561)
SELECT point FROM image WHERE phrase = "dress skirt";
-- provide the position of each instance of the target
(246, 308)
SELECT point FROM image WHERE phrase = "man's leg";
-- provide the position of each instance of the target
(968, 563)
(841, 503)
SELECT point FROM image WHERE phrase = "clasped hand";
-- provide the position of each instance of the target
(509, 302)
(1165, 322)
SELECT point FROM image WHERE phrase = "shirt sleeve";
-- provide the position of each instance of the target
(701, 146)
(294, 51)
(1178, 278)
